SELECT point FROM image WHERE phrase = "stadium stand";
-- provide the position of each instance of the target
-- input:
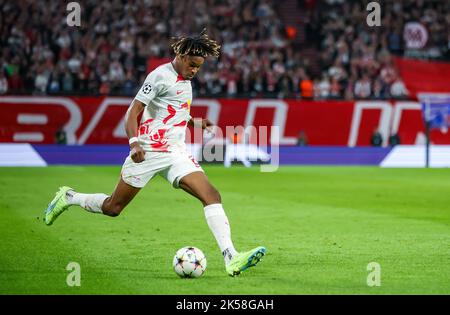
(279, 49)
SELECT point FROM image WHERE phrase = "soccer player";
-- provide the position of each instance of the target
(156, 123)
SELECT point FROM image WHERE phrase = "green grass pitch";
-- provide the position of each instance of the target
(322, 226)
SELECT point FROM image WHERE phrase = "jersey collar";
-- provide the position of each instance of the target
(179, 76)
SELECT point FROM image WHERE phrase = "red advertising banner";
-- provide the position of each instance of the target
(100, 120)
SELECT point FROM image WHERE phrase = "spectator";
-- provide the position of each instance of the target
(335, 89)
(377, 139)
(398, 89)
(285, 86)
(3, 83)
(378, 91)
(54, 85)
(41, 81)
(61, 136)
(337, 71)
(302, 140)
(15, 81)
(363, 87)
(232, 79)
(349, 89)
(307, 87)
(394, 139)
(105, 87)
(67, 82)
(116, 74)
(388, 73)
(323, 87)
(130, 86)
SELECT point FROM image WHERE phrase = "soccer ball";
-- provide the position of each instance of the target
(189, 262)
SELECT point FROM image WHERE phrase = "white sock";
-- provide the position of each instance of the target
(90, 202)
(220, 227)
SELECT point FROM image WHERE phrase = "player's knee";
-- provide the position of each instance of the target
(217, 196)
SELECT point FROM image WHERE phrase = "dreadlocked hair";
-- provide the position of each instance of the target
(200, 45)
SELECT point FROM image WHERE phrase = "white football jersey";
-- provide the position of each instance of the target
(168, 98)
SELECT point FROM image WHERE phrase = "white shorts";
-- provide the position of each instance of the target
(171, 165)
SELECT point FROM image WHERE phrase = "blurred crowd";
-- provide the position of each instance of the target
(356, 60)
(119, 42)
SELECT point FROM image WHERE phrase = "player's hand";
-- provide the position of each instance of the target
(207, 124)
(137, 153)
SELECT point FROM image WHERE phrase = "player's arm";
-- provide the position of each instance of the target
(199, 122)
(152, 86)
(131, 126)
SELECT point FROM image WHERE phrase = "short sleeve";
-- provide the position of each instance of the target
(151, 88)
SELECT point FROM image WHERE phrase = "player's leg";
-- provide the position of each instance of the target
(198, 185)
(109, 205)
(134, 176)
(187, 174)
(96, 203)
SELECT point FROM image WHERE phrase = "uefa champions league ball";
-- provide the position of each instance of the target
(189, 262)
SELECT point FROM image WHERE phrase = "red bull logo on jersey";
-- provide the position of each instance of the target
(187, 106)
(159, 142)
(144, 128)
